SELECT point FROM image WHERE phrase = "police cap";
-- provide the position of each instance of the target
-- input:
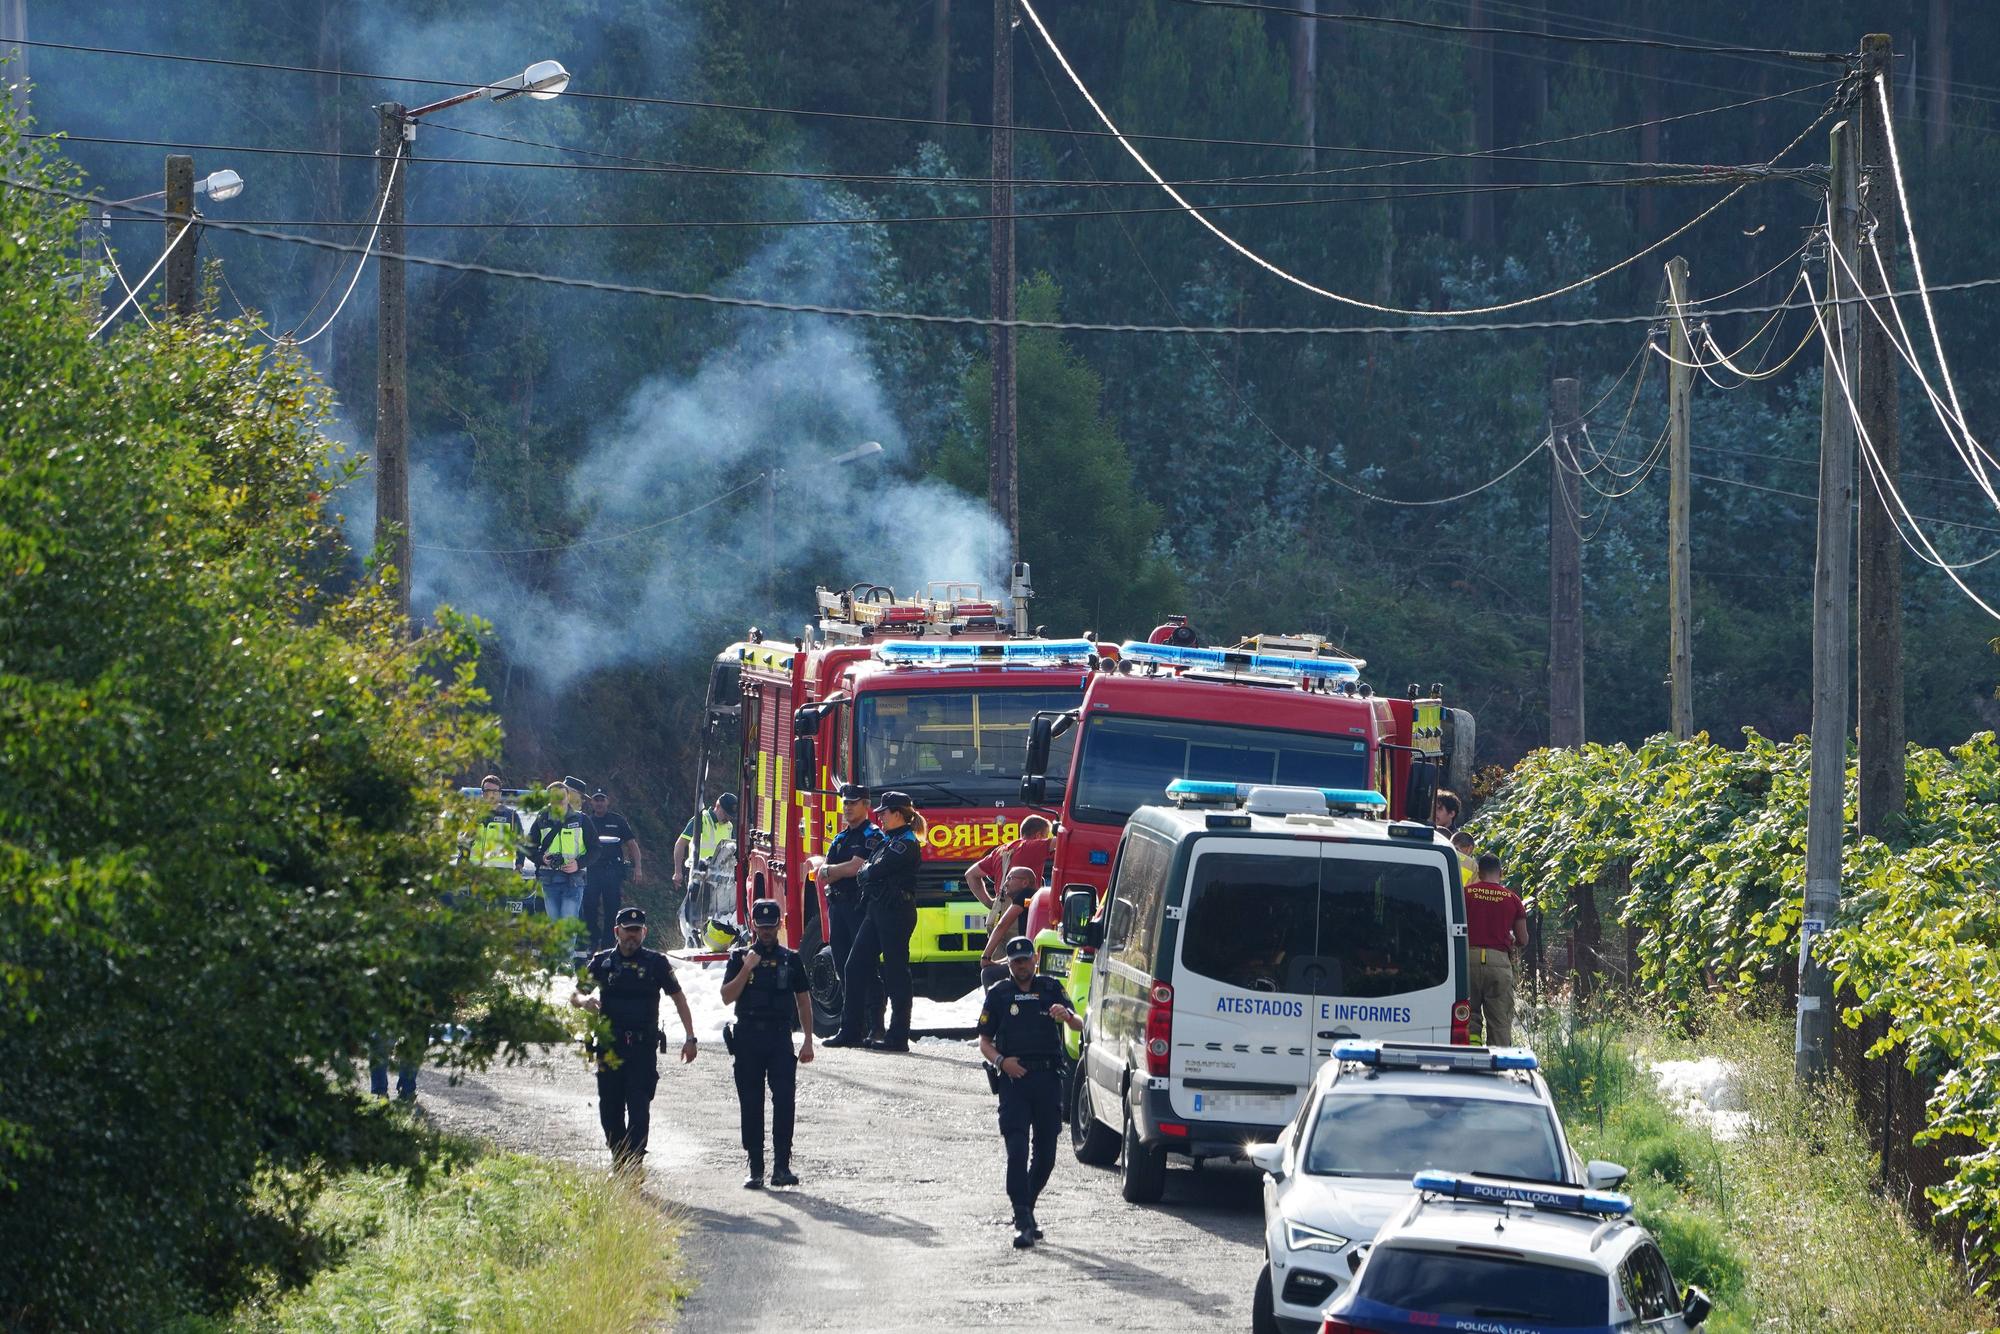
(895, 801)
(765, 912)
(631, 917)
(576, 785)
(1020, 947)
(600, 792)
(853, 792)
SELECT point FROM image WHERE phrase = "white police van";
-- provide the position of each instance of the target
(1509, 1257)
(1245, 932)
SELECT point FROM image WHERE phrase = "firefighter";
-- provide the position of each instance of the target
(624, 984)
(1011, 909)
(845, 856)
(618, 856)
(1017, 1035)
(704, 834)
(889, 896)
(1030, 851)
(767, 984)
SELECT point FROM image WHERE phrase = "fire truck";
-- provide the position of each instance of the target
(1285, 710)
(933, 695)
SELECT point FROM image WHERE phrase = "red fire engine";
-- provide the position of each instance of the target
(1288, 710)
(930, 695)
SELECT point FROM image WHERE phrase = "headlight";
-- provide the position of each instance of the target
(1299, 1237)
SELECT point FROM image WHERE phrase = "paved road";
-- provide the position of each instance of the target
(901, 1221)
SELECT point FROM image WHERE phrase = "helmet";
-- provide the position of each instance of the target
(719, 934)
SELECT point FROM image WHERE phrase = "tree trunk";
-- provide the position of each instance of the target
(1939, 106)
(940, 59)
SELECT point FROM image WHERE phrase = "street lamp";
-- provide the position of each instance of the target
(541, 81)
(217, 185)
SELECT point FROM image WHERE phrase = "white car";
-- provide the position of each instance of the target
(1512, 1257)
(1376, 1115)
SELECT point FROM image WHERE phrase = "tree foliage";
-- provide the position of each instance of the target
(224, 842)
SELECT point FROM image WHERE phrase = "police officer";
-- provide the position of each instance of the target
(618, 855)
(1017, 1033)
(845, 857)
(624, 984)
(767, 984)
(889, 898)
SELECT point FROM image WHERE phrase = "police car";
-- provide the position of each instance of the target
(1378, 1113)
(1497, 1256)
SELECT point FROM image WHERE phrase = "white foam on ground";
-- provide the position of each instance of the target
(1704, 1092)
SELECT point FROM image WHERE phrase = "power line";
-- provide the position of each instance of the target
(388, 189)
(1382, 20)
(970, 321)
(132, 293)
(1293, 279)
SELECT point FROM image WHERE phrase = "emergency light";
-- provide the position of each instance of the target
(1205, 789)
(941, 652)
(1235, 660)
(1561, 1199)
(1421, 1056)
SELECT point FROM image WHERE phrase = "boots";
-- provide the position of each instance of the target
(784, 1176)
(1024, 1232)
(755, 1181)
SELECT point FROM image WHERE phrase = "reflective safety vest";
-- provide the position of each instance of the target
(493, 843)
(567, 845)
(712, 833)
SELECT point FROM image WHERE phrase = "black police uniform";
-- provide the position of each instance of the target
(604, 884)
(629, 990)
(767, 1011)
(889, 895)
(843, 903)
(1017, 1019)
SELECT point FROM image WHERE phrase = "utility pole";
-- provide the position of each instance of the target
(1565, 569)
(1879, 605)
(1680, 383)
(392, 404)
(1827, 791)
(1003, 469)
(180, 271)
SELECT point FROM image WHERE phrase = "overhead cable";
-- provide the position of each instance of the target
(361, 262)
(132, 293)
(1285, 275)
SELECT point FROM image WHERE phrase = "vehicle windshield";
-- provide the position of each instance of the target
(1128, 762)
(1491, 1287)
(956, 747)
(1398, 1135)
(1340, 926)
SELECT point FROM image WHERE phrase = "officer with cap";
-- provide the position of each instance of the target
(1017, 1034)
(767, 984)
(624, 984)
(845, 857)
(889, 895)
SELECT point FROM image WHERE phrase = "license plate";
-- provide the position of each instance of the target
(1056, 964)
(974, 919)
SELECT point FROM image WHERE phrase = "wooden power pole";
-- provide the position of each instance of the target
(392, 404)
(1827, 791)
(1565, 569)
(180, 272)
(1003, 471)
(1680, 383)
(1879, 550)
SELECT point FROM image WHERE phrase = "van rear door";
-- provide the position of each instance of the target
(1388, 945)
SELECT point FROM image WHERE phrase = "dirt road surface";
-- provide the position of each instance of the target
(901, 1222)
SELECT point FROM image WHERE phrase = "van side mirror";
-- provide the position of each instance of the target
(1695, 1307)
(1079, 906)
(1601, 1175)
(1269, 1157)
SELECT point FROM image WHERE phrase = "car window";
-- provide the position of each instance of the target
(1384, 927)
(1648, 1285)
(1139, 886)
(1454, 1283)
(1398, 1135)
(1251, 918)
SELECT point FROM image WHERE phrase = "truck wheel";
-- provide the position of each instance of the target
(1263, 1312)
(823, 973)
(1095, 1144)
(1142, 1171)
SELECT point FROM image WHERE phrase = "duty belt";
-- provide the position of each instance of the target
(1037, 1062)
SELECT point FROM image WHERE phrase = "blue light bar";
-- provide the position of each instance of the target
(1207, 789)
(955, 651)
(1562, 1199)
(1425, 1056)
(1235, 660)
(1202, 789)
(1353, 796)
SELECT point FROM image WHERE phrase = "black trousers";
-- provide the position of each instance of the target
(1030, 1106)
(884, 933)
(764, 1056)
(625, 1094)
(845, 916)
(603, 895)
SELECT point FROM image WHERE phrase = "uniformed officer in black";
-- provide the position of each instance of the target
(767, 984)
(838, 879)
(624, 984)
(619, 856)
(889, 893)
(1017, 1033)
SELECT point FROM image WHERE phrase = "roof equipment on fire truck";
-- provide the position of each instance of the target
(866, 611)
(934, 653)
(1327, 669)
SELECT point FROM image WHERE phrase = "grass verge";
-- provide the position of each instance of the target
(1783, 1225)
(503, 1243)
